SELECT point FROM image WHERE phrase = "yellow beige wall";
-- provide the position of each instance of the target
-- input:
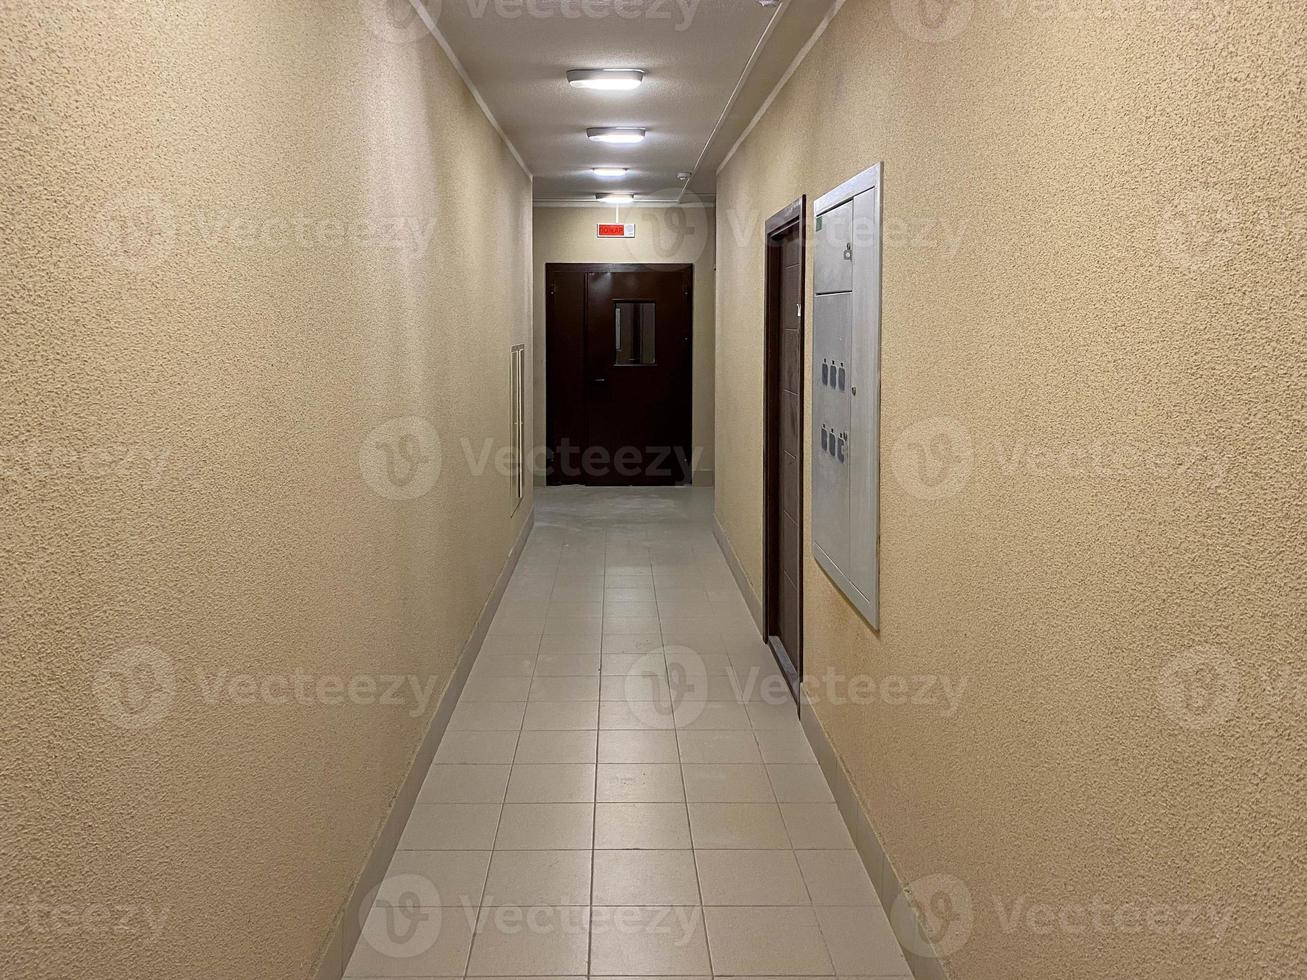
(680, 234)
(208, 307)
(1094, 240)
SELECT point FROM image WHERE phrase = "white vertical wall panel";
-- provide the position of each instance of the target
(846, 390)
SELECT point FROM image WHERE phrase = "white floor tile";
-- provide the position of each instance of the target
(545, 826)
(457, 877)
(638, 746)
(727, 784)
(753, 826)
(552, 783)
(527, 878)
(648, 941)
(561, 716)
(658, 826)
(633, 877)
(450, 827)
(464, 784)
(541, 748)
(742, 877)
(836, 878)
(816, 826)
(639, 783)
(422, 943)
(477, 748)
(757, 942)
(551, 942)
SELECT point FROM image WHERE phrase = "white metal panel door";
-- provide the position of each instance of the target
(832, 321)
(833, 255)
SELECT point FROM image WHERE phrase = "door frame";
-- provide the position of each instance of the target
(778, 225)
(551, 395)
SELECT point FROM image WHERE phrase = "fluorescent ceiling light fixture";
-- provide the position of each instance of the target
(608, 79)
(610, 171)
(615, 134)
(616, 198)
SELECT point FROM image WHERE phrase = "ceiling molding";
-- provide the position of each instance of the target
(420, 9)
(789, 73)
(739, 87)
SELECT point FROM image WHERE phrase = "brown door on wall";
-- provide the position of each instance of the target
(618, 374)
(783, 455)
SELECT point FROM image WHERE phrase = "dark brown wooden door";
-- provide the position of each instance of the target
(618, 374)
(784, 456)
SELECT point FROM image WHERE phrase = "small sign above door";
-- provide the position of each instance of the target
(617, 231)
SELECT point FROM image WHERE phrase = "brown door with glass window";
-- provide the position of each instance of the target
(784, 439)
(618, 374)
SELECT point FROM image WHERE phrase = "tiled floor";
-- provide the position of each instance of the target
(624, 790)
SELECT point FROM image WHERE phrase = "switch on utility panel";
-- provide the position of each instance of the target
(846, 390)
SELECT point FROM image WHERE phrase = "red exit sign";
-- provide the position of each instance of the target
(617, 231)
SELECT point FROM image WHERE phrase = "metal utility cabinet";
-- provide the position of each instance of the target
(846, 390)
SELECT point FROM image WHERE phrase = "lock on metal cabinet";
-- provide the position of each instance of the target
(846, 390)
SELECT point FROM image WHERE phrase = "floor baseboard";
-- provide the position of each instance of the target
(742, 580)
(345, 931)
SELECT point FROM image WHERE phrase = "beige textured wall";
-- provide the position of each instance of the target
(1093, 290)
(684, 234)
(206, 312)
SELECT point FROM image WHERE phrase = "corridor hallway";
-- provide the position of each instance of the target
(950, 357)
(573, 825)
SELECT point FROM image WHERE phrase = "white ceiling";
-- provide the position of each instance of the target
(710, 65)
